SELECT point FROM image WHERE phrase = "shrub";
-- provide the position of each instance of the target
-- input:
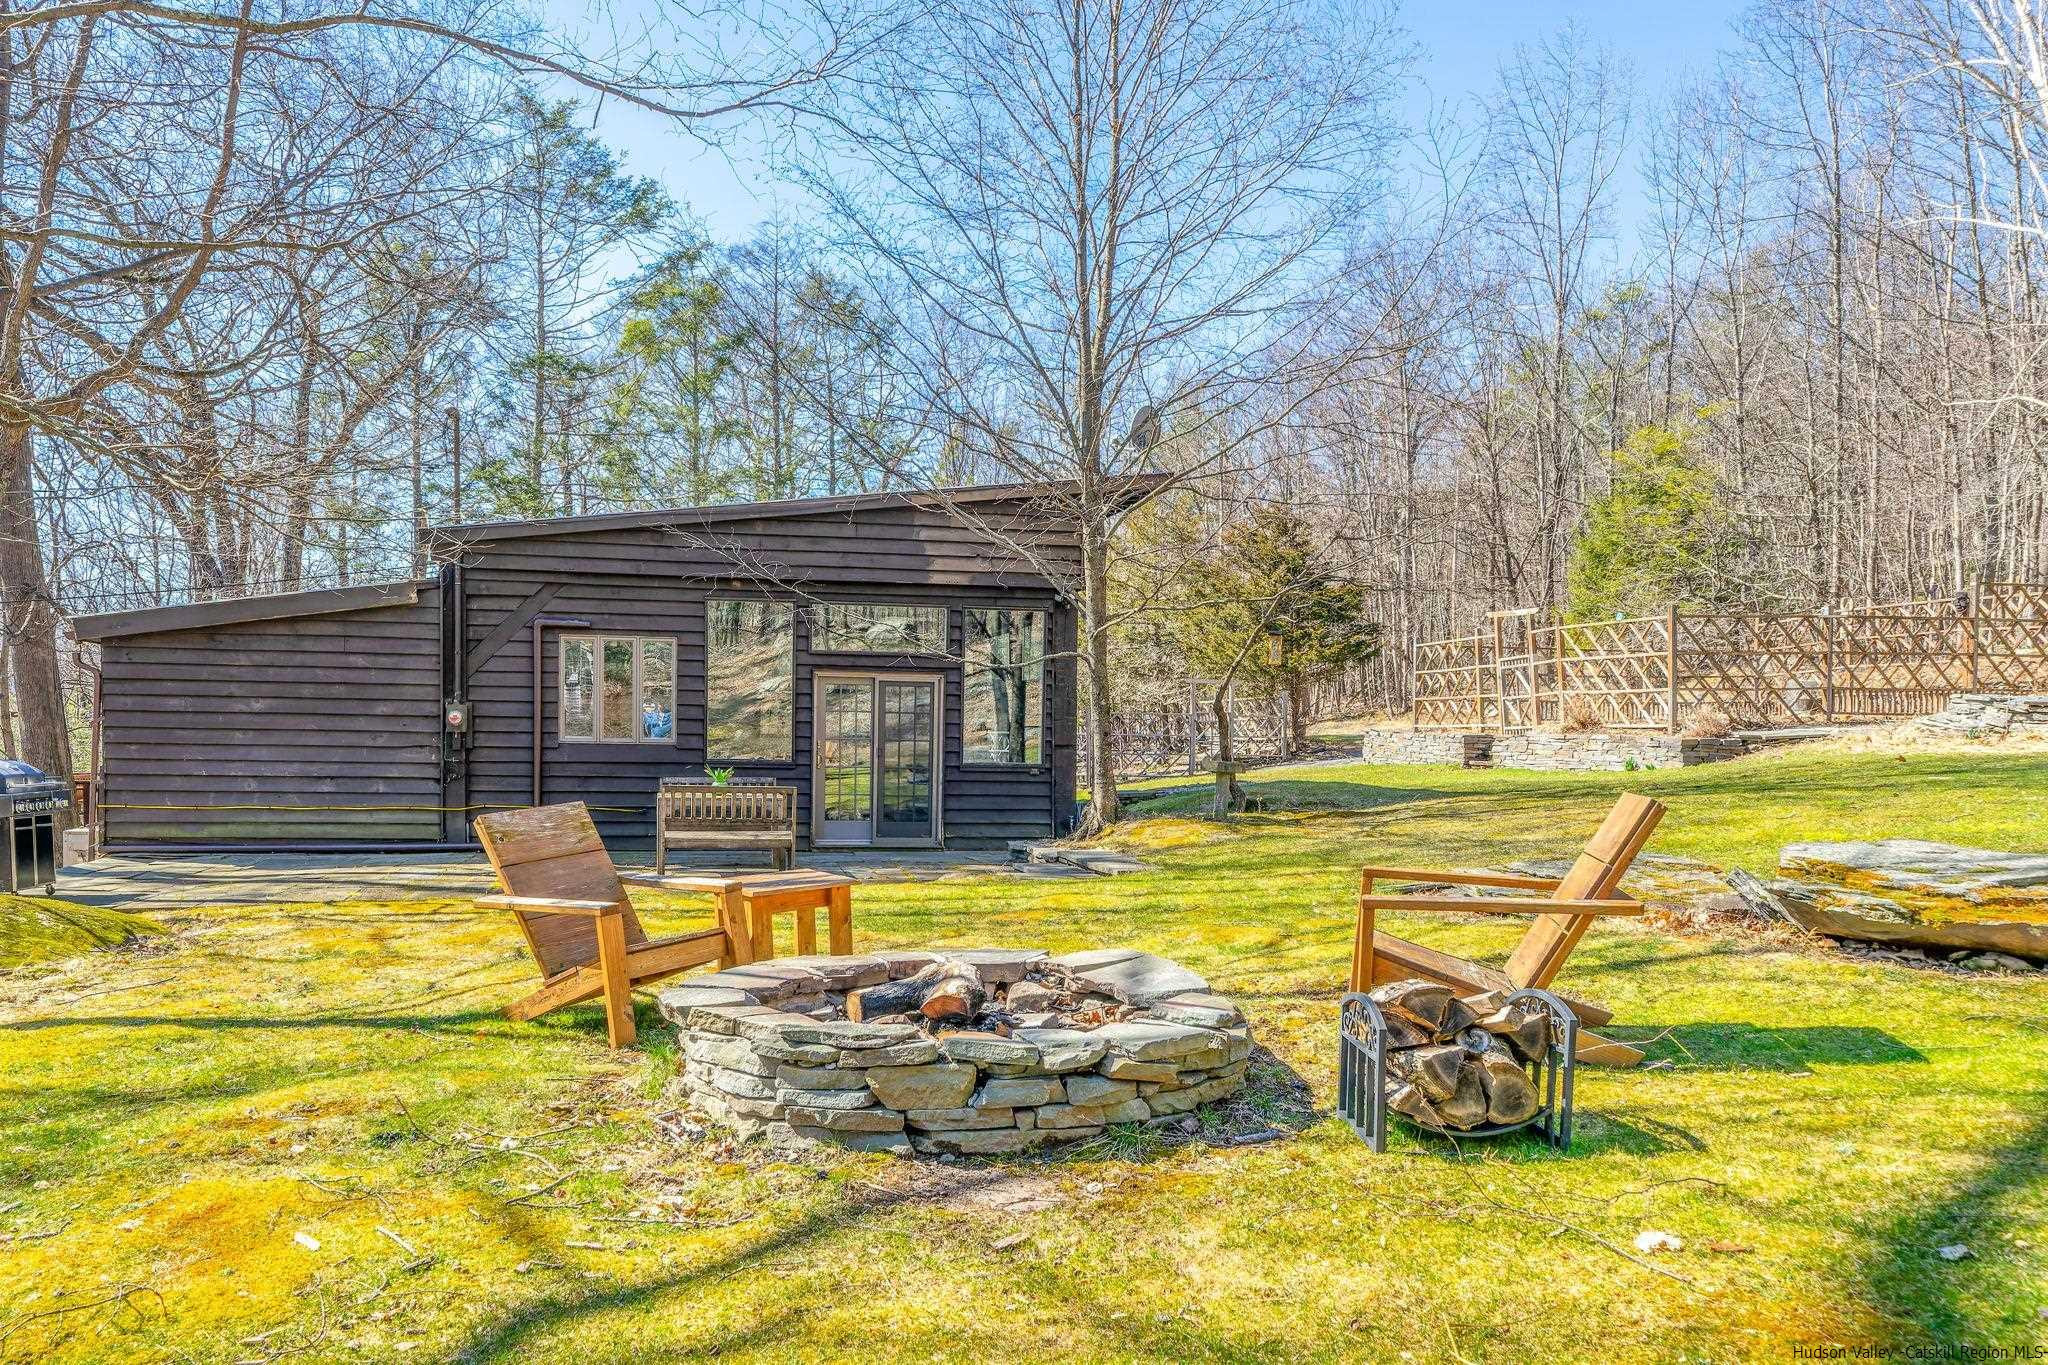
(1578, 715)
(1708, 722)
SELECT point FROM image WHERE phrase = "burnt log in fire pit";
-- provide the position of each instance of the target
(960, 1052)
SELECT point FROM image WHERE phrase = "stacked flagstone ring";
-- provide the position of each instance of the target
(1061, 1048)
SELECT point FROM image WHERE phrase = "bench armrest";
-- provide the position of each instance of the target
(1500, 905)
(1420, 874)
(552, 905)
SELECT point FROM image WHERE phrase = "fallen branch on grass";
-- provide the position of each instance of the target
(122, 1294)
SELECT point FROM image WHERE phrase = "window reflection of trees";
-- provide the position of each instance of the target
(749, 680)
(1003, 687)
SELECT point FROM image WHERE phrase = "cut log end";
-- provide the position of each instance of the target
(948, 993)
(1457, 1064)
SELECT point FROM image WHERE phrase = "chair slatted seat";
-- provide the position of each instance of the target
(571, 904)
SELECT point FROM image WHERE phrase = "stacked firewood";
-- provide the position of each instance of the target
(1460, 1064)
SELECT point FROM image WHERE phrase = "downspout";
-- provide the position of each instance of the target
(541, 624)
(93, 756)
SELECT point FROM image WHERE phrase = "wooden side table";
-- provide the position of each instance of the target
(747, 903)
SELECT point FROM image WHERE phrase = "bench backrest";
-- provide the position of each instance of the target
(555, 851)
(711, 806)
(1596, 876)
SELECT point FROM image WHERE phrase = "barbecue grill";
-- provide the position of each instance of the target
(30, 800)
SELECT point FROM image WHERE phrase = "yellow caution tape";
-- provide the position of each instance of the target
(434, 810)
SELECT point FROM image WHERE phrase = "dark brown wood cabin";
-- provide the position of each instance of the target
(904, 660)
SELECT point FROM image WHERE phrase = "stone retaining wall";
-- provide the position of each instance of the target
(768, 1052)
(1424, 746)
(1609, 751)
(1980, 713)
(1588, 751)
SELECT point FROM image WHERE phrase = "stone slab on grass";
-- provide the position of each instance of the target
(844, 1120)
(1064, 1049)
(1921, 865)
(837, 973)
(1020, 1092)
(964, 1119)
(986, 1142)
(999, 966)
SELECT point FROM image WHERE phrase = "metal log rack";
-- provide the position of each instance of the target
(1362, 1075)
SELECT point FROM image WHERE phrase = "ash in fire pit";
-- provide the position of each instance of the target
(964, 1052)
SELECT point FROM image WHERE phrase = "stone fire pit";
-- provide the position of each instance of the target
(1012, 1049)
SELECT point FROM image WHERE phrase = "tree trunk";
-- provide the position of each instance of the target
(300, 481)
(417, 419)
(7, 741)
(31, 616)
(1226, 748)
(1298, 707)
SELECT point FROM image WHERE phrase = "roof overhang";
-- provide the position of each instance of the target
(111, 625)
(1125, 490)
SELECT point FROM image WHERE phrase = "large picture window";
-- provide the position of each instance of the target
(877, 628)
(749, 680)
(617, 688)
(1003, 687)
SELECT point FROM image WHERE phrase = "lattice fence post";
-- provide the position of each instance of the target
(1827, 667)
(1671, 668)
(1970, 646)
(1557, 669)
(1500, 691)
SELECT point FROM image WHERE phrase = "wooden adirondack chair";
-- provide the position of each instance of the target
(1564, 912)
(571, 904)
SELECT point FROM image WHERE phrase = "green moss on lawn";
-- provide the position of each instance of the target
(1733, 814)
(40, 930)
(485, 1190)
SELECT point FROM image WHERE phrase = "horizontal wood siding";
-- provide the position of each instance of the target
(310, 729)
(879, 547)
(653, 583)
(326, 728)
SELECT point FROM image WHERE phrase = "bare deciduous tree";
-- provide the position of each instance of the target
(155, 148)
(1104, 226)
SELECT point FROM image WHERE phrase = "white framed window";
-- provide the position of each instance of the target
(877, 628)
(617, 689)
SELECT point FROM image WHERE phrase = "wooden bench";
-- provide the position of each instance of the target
(707, 815)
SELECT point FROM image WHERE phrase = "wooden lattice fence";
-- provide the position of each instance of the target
(1456, 684)
(1172, 729)
(1757, 669)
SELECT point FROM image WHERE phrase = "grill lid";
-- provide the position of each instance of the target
(19, 780)
(20, 774)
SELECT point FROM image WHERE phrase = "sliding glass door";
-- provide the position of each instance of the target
(876, 758)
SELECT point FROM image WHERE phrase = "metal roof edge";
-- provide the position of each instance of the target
(108, 625)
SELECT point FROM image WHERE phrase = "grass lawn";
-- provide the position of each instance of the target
(38, 929)
(305, 1132)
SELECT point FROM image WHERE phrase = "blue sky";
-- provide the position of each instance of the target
(1463, 43)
